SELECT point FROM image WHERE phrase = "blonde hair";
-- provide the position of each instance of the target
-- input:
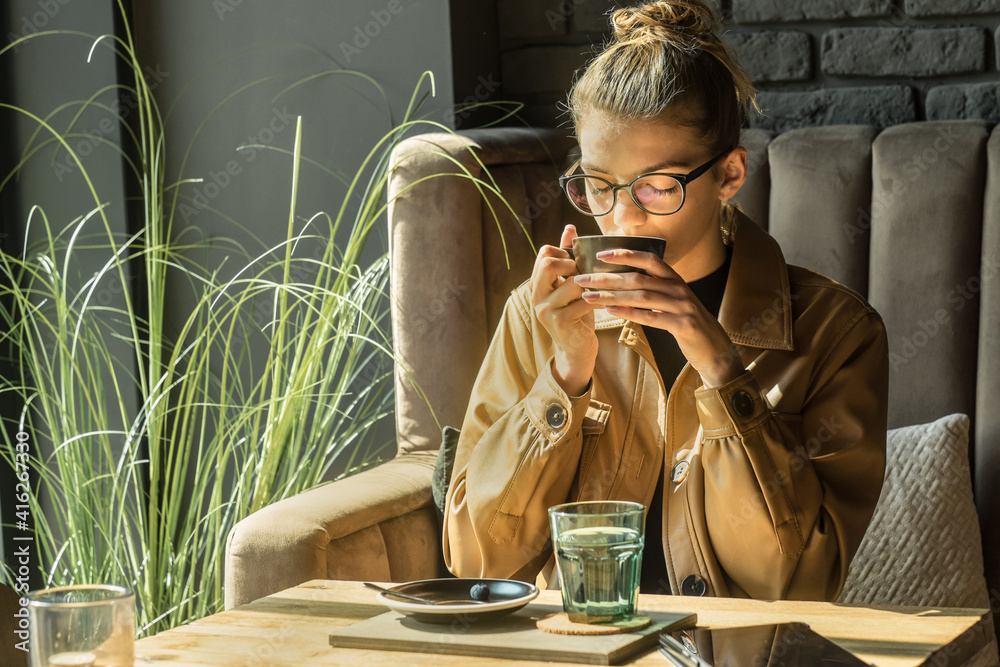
(665, 61)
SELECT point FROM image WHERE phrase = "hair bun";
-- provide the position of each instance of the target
(671, 20)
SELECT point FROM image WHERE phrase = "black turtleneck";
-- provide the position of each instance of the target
(670, 361)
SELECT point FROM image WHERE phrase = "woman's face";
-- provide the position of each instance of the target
(619, 150)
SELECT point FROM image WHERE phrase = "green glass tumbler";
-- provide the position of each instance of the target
(598, 546)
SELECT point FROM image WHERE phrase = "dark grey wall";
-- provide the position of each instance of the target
(220, 68)
(41, 75)
(816, 62)
(49, 71)
(476, 65)
(196, 55)
(204, 53)
(882, 62)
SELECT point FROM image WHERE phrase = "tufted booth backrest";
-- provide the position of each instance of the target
(909, 216)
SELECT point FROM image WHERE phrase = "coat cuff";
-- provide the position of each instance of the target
(732, 409)
(552, 411)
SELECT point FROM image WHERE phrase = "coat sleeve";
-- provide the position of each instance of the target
(798, 491)
(517, 455)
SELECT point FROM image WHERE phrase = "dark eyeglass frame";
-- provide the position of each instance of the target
(683, 179)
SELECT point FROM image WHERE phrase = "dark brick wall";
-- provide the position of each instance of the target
(815, 62)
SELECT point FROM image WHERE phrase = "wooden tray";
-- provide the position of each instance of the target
(514, 637)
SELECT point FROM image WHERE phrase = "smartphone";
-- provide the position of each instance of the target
(780, 645)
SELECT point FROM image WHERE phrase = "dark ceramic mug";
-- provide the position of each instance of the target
(585, 249)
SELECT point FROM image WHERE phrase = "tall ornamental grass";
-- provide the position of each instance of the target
(145, 496)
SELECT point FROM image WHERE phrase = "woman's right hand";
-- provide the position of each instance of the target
(565, 315)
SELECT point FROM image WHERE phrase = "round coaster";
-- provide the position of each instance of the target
(560, 624)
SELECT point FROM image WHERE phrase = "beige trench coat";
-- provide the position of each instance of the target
(771, 480)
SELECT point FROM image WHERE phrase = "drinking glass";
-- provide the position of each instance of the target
(82, 626)
(598, 546)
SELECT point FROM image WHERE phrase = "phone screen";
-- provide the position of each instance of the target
(781, 645)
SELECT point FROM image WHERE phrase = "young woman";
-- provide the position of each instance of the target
(743, 401)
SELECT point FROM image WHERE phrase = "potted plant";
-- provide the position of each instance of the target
(144, 496)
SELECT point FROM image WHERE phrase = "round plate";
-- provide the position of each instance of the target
(505, 596)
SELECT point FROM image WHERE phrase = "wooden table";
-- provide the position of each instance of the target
(292, 627)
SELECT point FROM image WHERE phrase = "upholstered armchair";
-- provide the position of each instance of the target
(449, 279)
(909, 216)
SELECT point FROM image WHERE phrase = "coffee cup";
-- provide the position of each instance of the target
(585, 249)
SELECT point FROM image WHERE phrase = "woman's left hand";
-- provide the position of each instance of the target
(662, 299)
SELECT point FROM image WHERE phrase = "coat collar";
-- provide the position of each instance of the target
(756, 308)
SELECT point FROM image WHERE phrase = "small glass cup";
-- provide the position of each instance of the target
(82, 626)
(598, 546)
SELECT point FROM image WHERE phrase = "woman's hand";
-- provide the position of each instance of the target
(662, 299)
(568, 318)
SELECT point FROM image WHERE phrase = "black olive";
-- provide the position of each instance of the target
(480, 592)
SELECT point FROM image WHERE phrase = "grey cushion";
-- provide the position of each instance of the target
(923, 545)
(821, 198)
(987, 422)
(926, 230)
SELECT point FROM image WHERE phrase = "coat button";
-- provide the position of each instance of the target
(693, 585)
(743, 404)
(679, 472)
(555, 415)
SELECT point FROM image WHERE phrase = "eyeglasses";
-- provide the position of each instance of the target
(657, 193)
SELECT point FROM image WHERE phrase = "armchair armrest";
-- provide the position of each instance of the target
(379, 525)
